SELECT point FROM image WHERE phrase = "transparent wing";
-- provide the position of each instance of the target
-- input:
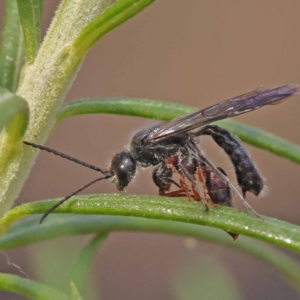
(226, 109)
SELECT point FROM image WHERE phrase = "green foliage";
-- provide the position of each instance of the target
(29, 288)
(162, 110)
(45, 82)
(14, 116)
(31, 17)
(12, 53)
(11, 106)
(74, 293)
(28, 231)
(40, 88)
(112, 17)
(79, 272)
(229, 219)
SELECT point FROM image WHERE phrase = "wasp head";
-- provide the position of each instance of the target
(123, 167)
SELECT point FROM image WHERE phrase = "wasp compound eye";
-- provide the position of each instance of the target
(123, 167)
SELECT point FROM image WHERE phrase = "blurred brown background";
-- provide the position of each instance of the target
(191, 52)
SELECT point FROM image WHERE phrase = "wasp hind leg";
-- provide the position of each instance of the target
(202, 158)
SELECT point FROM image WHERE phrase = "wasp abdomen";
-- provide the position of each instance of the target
(218, 190)
(247, 174)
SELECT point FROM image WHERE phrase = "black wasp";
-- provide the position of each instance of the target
(172, 147)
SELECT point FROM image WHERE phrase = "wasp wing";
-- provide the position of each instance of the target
(226, 109)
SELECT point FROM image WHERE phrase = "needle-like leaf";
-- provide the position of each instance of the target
(14, 116)
(28, 288)
(163, 110)
(12, 54)
(266, 229)
(28, 231)
(82, 265)
(30, 12)
(11, 106)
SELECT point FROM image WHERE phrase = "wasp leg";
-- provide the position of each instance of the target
(173, 194)
(162, 177)
(202, 158)
(198, 191)
(219, 191)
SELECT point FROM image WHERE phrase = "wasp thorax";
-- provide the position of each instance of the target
(123, 168)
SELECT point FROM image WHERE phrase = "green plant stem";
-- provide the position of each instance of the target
(47, 80)
(28, 231)
(162, 110)
(229, 219)
(28, 288)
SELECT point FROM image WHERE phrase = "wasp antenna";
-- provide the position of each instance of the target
(80, 162)
(71, 195)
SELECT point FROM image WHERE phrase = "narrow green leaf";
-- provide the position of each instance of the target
(12, 54)
(115, 15)
(75, 295)
(31, 18)
(28, 231)
(229, 219)
(10, 106)
(29, 288)
(81, 267)
(163, 110)
(146, 108)
(14, 116)
(263, 139)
